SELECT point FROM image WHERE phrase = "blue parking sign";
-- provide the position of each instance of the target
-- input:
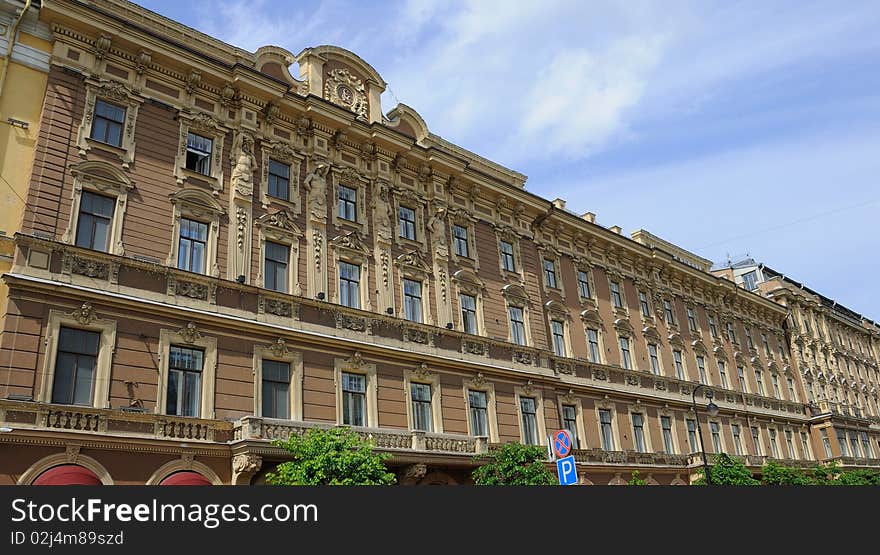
(567, 471)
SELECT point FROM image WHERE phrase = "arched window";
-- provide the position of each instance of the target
(68, 475)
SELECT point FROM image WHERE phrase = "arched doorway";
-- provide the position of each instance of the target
(68, 475)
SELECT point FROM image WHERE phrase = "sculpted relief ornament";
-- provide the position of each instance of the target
(315, 185)
(344, 89)
(242, 178)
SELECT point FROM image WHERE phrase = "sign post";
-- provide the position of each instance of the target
(565, 465)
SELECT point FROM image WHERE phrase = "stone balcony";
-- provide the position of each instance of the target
(600, 456)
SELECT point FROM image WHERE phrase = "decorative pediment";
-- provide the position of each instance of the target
(189, 333)
(205, 123)
(113, 90)
(197, 202)
(413, 261)
(423, 373)
(468, 279)
(514, 291)
(720, 353)
(591, 317)
(102, 176)
(650, 332)
(284, 152)
(346, 90)
(739, 358)
(348, 175)
(557, 308)
(281, 220)
(675, 340)
(699, 348)
(623, 326)
(352, 242)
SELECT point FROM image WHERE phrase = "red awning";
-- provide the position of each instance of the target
(68, 475)
(185, 478)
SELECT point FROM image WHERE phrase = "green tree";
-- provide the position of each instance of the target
(514, 464)
(636, 479)
(858, 477)
(727, 471)
(775, 474)
(334, 457)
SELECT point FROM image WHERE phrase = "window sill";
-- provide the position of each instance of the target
(124, 154)
(187, 174)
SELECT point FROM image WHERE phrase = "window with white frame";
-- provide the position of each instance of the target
(478, 412)
(792, 392)
(605, 430)
(354, 399)
(625, 355)
(666, 427)
(854, 443)
(507, 257)
(616, 297)
(692, 320)
(766, 344)
(275, 389)
(76, 360)
(701, 366)
(722, 374)
(692, 434)
(750, 280)
(826, 442)
(756, 440)
(185, 365)
(347, 203)
(569, 422)
(715, 430)
(667, 310)
(644, 305)
(774, 379)
(412, 300)
(422, 414)
(654, 358)
(679, 364)
(279, 180)
(108, 123)
(198, 153)
(517, 325)
(407, 220)
(349, 285)
(594, 352)
(866, 445)
(95, 221)
(805, 446)
(713, 330)
(737, 440)
(741, 376)
(460, 241)
(638, 422)
(276, 259)
(789, 443)
(192, 244)
(774, 448)
(468, 313)
(528, 408)
(550, 273)
(731, 333)
(759, 382)
(557, 330)
(583, 284)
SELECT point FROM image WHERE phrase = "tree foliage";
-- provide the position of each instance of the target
(333, 457)
(775, 474)
(636, 479)
(514, 464)
(727, 471)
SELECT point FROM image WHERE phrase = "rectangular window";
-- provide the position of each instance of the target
(854, 443)
(529, 420)
(774, 449)
(423, 417)
(347, 203)
(550, 273)
(712, 329)
(740, 374)
(412, 300)
(625, 356)
(811, 395)
(276, 389)
(737, 440)
(478, 413)
(584, 285)
(731, 333)
(557, 329)
(756, 439)
(679, 366)
(722, 373)
(593, 341)
(192, 248)
(866, 445)
(198, 153)
(517, 325)
(692, 320)
(95, 219)
(184, 381)
(616, 299)
(277, 257)
(460, 240)
(468, 313)
(605, 427)
(826, 443)
(639, 432)
(407, 218)
(507, 256)
(667, 309)
(75, 364)
(715, 430)
(279, 180)
(759, 382)
(655, 360)
(791, 390)
(789, 443)
(701, 366)
(108, 122)
(766, 344)
(774, 379)
(349, 285)
(644, 304)
(569, 422)
(666, 426)
(805, 447)
(749, 343)
(750, 280)
(692, 435)
(354, 399)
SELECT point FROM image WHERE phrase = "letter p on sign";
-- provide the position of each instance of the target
(567, 471)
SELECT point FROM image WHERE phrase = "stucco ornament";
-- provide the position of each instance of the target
(344, 89)
(316, 186)
(243, 173)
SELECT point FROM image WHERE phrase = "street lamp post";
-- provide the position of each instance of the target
(712, 409)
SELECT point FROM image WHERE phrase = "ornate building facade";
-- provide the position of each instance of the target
(216, 254)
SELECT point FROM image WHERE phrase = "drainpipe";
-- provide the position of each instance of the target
(11, 44)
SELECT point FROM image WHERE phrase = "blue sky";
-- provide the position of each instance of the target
(729, 128)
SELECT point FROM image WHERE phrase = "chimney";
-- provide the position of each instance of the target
(590, 217)
(559, 203)
(616, 229)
